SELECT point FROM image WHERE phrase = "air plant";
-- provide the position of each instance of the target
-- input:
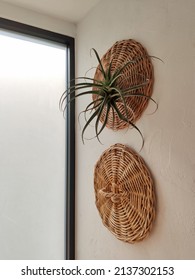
(106, 96)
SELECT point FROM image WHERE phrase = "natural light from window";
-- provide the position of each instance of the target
(32, 148)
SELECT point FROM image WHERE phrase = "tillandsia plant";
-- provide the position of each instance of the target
(106, 96)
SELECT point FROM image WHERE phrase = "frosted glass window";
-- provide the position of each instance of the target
(32, 148)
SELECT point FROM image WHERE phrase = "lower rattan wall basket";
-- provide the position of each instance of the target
(124, 192)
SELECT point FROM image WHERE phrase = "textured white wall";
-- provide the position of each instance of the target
(166, 29)
(37, 19)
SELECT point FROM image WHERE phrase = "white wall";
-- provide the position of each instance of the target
(166, 29)
(35, 19)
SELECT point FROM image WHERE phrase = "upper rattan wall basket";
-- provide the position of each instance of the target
(124, 193)
(136, 73)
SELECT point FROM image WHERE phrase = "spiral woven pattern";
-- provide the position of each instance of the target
(124, 193)
(136, 73)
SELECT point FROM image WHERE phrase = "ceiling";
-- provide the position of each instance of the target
(69, 10)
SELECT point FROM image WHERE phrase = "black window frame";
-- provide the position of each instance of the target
(14, 26)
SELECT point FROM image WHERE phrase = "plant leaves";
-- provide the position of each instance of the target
(88, 122)
(123, 100)
(143, 96)
(121, 116)
(80, 94)
(106, 118)
(98, 118)
(100, 63)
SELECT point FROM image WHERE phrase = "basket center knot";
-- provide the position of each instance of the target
(114, 188)
(115, 197)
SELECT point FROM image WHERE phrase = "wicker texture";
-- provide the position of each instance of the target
(124, 193)
(134, 74)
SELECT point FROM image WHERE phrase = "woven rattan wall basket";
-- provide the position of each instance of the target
(140, 71)
(124, 193)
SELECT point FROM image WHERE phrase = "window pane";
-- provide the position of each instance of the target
(32, 148)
